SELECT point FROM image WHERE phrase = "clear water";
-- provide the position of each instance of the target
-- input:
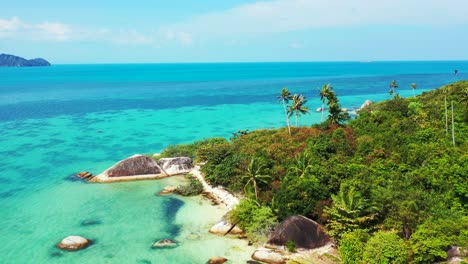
(58, 120)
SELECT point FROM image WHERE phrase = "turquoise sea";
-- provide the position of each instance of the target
(55, 121)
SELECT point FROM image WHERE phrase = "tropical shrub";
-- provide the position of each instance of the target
(385, 247)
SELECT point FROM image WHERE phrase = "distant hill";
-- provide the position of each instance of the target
(7, 60)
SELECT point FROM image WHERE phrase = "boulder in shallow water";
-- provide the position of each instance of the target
(217, 260)
(165, 243)
(224, 227)
(174, 166)
(73, 243)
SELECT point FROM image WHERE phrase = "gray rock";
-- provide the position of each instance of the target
(165, 243)
(217, 260)
(135, 165)
(174, 166)
(269, 256)
(73, 243)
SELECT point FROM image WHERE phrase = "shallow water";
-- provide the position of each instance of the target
(60, 120)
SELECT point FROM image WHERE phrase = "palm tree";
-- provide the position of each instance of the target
(298, 107)
(302, 164)
(393, 85)
(334, 117)
(255, 175)
(284, 98)
(413, 86)
(324, 93)
(463, 97)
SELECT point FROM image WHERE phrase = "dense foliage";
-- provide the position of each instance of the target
(194, 187)
(395, 172)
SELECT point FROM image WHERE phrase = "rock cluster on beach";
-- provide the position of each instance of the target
(140, 167)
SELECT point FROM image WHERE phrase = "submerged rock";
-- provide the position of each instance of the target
(269, 256)
(165, 243)
(85, 175)
(217, 260)
(90, 222)
(73, 243)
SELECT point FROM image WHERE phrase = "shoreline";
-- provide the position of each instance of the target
(219, 194)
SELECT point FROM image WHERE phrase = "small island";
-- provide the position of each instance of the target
(7, 60)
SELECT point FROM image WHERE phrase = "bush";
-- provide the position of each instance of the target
(257, 221)
(385, 247)
(194, 187)
(291, 246)
(352, 246)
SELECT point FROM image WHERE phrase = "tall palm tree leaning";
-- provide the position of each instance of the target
(284, 98)
(393, 85)
(324, 93)
(255, 175)
(413, 86)
(298, 107)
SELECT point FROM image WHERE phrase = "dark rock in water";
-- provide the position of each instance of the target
(144, 261)
(73, 243)
(217, 260)
(165, 243)
(90, 222)
(252, 262)
(136, 165)
(7, 60)
(304, 232)
(56, 254)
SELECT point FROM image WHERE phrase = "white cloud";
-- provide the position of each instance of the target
(292, 15)
(53, 31)
(9, 25)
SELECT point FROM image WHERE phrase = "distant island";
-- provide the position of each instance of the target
(7, 60)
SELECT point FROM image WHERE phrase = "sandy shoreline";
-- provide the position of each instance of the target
(220, 194)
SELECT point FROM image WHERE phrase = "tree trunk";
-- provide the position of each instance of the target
(256, 189)
(446, 116)
(296, 119)
(323, 105)
(287, 118)
(453, 128)
(414, 95)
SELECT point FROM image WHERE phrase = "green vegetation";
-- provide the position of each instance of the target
(291, 246)
(257, 221)
(390, 180)
(194, 187)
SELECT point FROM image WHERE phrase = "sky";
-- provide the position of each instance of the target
(124, 31)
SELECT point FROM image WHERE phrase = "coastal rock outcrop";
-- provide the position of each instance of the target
(217, 260)
(304, 232)
(167, 190)
(178, 165)
(165, 243)
(140, 167)
(7, 60)
(73, 243)
(224, 227)
(366, 104)
(85, 175)
(269, 256)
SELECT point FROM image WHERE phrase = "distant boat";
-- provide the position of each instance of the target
(455, 72)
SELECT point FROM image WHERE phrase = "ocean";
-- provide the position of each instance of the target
(56, 121)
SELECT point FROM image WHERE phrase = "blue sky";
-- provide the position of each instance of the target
(234, 30)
